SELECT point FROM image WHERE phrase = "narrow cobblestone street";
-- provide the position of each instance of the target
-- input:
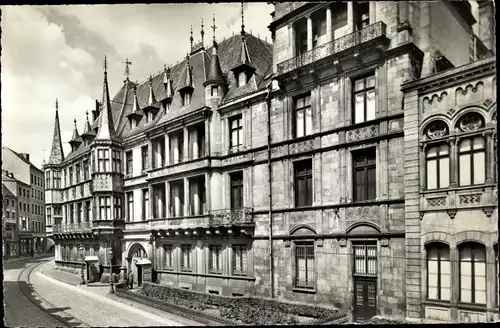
(82, 305)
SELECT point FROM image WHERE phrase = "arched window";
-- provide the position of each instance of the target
(438, 167)
(472, 162)
(438, 272)
(472, 273)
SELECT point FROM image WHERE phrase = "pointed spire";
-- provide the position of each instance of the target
(56, 153)
(242, 22)
(106, 129)
(213, 29)
(187, 77)
(87, 131)
(202, 34)
(191, 39)
(127, 69)
(214, 70)
(135, 105)
(75, 132)
(167, 82)
(151, 99)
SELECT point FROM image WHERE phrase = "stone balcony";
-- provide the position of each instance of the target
(362, 38)
(79, 227)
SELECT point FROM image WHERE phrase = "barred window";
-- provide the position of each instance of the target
(240, 260)
(186, 258)
(215, 259)
(169, 257)
(365, 259)
(304, 265)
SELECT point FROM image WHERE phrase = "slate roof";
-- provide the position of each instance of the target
(229, 53)
(6, 192)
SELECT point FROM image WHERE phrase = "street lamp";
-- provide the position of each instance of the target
(83, 259)
(111, 290)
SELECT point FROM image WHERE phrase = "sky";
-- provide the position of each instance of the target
(51, 52)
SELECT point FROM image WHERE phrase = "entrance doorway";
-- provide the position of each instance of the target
(135, 254)
(139, 275)
(365, 299)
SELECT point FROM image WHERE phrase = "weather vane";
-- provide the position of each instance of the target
(127, 68)
(214, 27)
(105, 63)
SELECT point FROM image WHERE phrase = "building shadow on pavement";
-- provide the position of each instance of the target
(57, 312)
(24, 263)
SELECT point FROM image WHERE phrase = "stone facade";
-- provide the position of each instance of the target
(458, 213)
(231, 191)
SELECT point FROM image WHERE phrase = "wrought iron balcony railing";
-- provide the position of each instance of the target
(368, 33)
(231, 216)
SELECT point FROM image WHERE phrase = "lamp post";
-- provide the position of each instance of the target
(111, 290)
(83, 258)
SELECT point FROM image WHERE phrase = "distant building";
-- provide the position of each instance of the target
(31, 199)
(10, 217)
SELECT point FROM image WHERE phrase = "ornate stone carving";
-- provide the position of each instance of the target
(421, 215)
(436, 201)
(437, 129)
(384, 242)
(231, 216)
(343, 242)
(470, 122)
(319, 242)
(302, 217)
(467, 88)
(430, 102)
(488, 210)
(470, 199)
(452, 213)
(363, 212)
(302, 146)
(288, 242)
(362, 133)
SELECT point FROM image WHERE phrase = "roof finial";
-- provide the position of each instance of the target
(191, 39)
(202, 34)
(75, 122)
(242, 21)
(57, 105)
(87, 115)
(214, 27)
(105, 64)
(127, 68)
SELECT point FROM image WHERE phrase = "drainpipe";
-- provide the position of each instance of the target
(271, 257)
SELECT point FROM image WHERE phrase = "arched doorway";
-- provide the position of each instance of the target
(136, 253)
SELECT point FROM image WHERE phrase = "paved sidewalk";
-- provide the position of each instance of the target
(50, 270)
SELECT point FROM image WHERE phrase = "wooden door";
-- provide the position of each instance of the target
(365, 299)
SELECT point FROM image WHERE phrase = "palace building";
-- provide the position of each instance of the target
(343, 165)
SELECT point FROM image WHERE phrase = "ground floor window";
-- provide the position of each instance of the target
(169, 257)
(304, 265)
(186, 258)
(215, 259)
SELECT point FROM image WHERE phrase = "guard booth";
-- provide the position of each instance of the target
(92, 266)
(143, 271)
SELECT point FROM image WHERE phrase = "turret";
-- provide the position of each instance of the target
(244, 70)
(75, 139)
(152, 107)
(169, 90)
(136, 115)
(88, 134)
(215, 84)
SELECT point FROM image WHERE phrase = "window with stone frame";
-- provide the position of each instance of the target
(77, 172)
(303, 183)
(214, 91)
(47, 180)
(130, 206)
(186, 98)
(145, 204)
(236, 189)
(186, 258)
(215, 259)
(438, 272)
(363, 97)
(471, 150)
(364, 175)
(169, 257)
(104, 208)
(103, 160)
(240, 260)
(57, 179)
(70, 174)
(361, 15)
(235, 133)
(472, 257)
(129, 163)
(88, 214)
(438, 166)
(305, 269)
(303, 125)
(117, 208)
(117, 161)
(86, 170)
(145, 158)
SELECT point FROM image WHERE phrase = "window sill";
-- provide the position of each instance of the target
(462, 188)
(304, 290)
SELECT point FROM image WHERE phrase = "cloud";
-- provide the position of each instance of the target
(53, 52)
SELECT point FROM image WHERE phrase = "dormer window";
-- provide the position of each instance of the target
(242, 79)
(186, 98)
(214, 91)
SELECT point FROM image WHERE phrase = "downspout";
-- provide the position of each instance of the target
(269, 168)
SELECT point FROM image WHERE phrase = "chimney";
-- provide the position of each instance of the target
(95, 112)
(26, 156)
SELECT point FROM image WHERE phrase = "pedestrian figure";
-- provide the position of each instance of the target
(131, 280)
